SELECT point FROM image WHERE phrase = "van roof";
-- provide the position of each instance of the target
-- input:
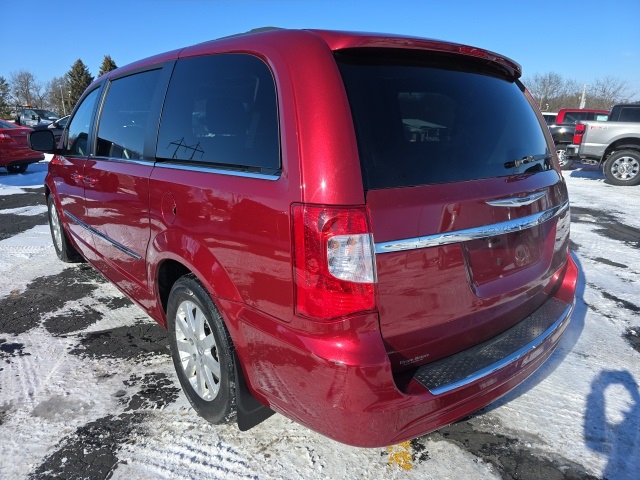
(335, 40)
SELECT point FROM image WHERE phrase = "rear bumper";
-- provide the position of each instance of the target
(342, 386)
(499, 352)
(591, 157)
(571, 152)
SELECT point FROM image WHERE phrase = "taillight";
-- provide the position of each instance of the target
(4, 138)
(334, 261)
(578, 133)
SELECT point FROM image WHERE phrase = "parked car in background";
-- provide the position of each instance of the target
(368, 234)
(563, 127)
(57, 127)
(550, 117)
(32, 117)
(15, 154)
(613, 145)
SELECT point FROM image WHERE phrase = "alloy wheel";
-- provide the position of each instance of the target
(56, 228)
(197, 350)
(625, 168)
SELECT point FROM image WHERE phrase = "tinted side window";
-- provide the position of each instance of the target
(78, 131)
(630, 114)
(419, 124)
(125, 116)
(221, 110)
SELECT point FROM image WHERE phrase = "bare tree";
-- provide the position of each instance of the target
(25, 89)
(58, 95)
(552, 91)
(607, 91)
(544, 87)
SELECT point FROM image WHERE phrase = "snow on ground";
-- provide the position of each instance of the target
(33, 178)
(582, 408)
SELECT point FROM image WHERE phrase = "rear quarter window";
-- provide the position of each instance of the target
(424, 121)
(221, 111)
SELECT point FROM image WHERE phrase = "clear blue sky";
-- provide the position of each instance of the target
(581, 39)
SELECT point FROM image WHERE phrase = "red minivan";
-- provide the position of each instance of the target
(366, 233)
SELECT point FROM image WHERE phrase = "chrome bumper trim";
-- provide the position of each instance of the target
(457, 236)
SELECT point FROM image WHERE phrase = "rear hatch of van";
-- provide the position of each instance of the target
(469, 212)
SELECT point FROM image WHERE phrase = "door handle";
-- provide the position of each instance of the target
(77, 177)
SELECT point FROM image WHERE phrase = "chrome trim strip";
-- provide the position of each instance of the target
(145, 163)
(457, 236)
(515, 356)
(101, 235)
(516, 201)
(219, 171)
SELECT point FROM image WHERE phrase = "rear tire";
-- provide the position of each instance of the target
(202, 351)
(565, 163)
(623, 168)
(64, 249)
(17, 168)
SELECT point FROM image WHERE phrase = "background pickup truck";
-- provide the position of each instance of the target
(562, 127)
(614, 145)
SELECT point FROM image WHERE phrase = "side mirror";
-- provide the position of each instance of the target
(42, 141)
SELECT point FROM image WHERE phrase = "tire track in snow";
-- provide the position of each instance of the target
(12, 250)
(91, 451)
(509, 456)
(185, 457)
(607, 224)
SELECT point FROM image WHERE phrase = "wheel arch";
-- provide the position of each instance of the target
(168, 273)
(622, 144)
(249, 411)
(167, 261)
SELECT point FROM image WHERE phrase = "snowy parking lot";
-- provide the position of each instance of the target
(87, 388)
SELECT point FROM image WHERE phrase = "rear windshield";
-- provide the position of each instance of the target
(436, 120)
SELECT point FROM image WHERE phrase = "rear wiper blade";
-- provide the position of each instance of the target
(528, 159)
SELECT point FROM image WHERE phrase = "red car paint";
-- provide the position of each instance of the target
(14, 150)
(345, 370)
(573, 115)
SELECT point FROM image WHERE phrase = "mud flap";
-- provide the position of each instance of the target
(250, 411)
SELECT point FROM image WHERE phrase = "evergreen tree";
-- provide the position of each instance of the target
(5, 101)
(107, 65)
(79, 80)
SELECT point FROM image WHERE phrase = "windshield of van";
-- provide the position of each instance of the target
(436, 120)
